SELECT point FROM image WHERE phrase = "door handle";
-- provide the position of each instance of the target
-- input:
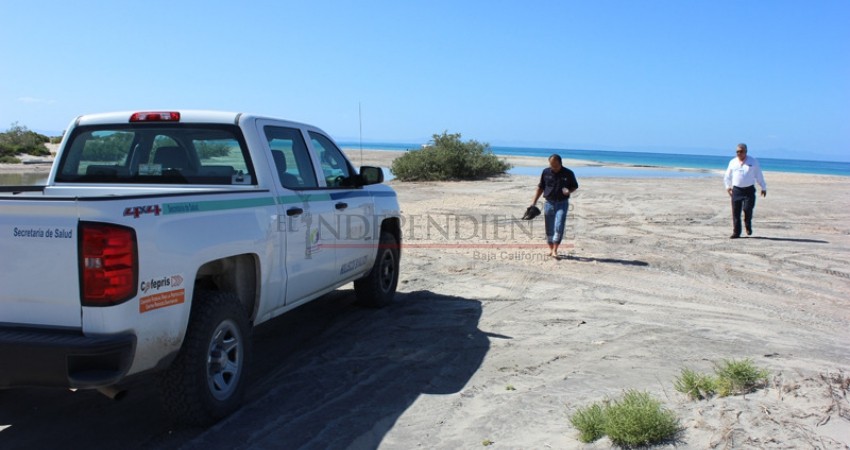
(341, 205)
(294, 211)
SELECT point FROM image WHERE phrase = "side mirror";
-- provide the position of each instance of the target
(371, 175)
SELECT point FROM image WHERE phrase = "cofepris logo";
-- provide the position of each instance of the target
(161, 283)
(161, 292)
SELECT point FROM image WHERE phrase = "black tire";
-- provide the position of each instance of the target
(206, 381)
(377, 289)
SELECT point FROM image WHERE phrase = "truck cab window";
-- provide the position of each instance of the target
(291, 158)
(335, 167)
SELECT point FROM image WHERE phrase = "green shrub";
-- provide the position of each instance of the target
(6, 159)
(18, 139)
(639, 419)
(448, 158)
(636, 419)
(590, 422)
(739, 377)
(696, 385)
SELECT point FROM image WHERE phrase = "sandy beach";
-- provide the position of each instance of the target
(650, 284)
(492, 341)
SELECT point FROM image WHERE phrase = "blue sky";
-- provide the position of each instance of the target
(668, 76)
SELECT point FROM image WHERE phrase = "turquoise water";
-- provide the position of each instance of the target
(617, 172)
(600, 172)
(646, 159)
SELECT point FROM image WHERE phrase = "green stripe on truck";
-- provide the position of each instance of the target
(215, 205)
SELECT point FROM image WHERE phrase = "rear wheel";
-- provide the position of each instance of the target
(206, 381)
(378, 288)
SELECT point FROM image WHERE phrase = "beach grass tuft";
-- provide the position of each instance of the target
(730, 377)
(590, 422)
(639, 419)
(739, 377)
(696, 385)
(636, 419)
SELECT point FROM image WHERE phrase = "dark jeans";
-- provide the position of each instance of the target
(743, 199)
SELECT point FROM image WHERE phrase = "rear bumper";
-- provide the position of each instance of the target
(63, 359)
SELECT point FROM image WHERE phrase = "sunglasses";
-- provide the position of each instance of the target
(740, 151)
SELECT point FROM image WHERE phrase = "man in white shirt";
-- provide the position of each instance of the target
(740, 179)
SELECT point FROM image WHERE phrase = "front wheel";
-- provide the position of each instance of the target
(206, 381)
(377, 289)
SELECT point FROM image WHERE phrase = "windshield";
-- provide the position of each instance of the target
(159, 154)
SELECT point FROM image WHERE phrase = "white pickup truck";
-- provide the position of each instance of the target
(161, 238)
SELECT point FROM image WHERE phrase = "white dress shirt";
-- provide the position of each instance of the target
(744, 173)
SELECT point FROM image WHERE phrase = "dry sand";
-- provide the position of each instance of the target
(491, 340)
(651, 284)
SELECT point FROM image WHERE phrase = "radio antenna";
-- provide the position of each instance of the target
(360, 117)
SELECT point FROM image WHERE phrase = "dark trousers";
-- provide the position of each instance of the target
(743, 199)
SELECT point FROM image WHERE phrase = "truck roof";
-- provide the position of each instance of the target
(186, 116)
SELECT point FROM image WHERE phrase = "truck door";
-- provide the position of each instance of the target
(353, 206)
(308, 254)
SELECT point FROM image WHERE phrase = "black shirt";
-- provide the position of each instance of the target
(552, 183)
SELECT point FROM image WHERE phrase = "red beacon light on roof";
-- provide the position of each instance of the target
(155, 116)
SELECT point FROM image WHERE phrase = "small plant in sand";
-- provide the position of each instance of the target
(487, 442)
(510, 387)
(590, 422)
(739, 377)
(696, 385)
(636, 419)
(730, 377)
(639, 419)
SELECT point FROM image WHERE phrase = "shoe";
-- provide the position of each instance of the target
(735, 236)
(749, 230)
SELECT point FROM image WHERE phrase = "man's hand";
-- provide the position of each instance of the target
(763, 193)
(729, 191)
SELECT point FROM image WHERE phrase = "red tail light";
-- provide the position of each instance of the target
(108, 264)
(156, 116)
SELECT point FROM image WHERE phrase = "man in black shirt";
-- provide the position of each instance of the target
(556, 184)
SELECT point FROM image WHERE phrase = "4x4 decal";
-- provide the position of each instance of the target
(138, 211)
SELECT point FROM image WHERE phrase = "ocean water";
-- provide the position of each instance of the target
(618, 172)
(646, 159)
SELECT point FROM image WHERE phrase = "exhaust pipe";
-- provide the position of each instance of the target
(113, 392)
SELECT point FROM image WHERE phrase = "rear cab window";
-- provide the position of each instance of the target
(157, 154)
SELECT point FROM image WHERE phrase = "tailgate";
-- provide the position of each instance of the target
(39, 275)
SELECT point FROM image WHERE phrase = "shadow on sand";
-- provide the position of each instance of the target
(803, 241)
(326, 375)
(625, 262)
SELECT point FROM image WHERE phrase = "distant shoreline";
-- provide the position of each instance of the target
(605, 158)
(385, 157)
